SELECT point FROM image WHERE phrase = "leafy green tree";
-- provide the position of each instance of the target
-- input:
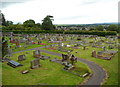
(91, 29)
(4, 47)
(2, 19)
(16, 27)
(29, 23)
(8, 23)
(113, 27)
(38, 25)
(100, 28)
(47, 23)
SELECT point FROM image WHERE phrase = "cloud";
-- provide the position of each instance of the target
(64, 11)
(7, 4)
(15, 0)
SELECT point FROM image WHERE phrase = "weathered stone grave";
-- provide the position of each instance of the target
(14, 64)
(107, 55)
(21, 57)
(94, 54)
(35, 63)
(36, 53)
(73, 59)
(67, 66)
(43, 57)
(10, 52)
(17, 44)
(65, 57)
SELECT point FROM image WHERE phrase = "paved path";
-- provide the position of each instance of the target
(98, 73)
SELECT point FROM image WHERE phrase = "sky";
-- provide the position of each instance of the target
(63, 11)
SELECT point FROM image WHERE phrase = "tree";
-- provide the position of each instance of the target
(8, 23)
(47, 23)
(4, 47)
(29, 23)
(38, 25)
(112, 27)
(100, 28)
(2, 19)
(91, 29)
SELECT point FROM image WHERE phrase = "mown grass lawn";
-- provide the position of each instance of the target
(111, 66)
(50, 73)
(28, 46)
(0, 73)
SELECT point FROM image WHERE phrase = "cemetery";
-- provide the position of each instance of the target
(76, 44)
(25, 51)
(44, 71)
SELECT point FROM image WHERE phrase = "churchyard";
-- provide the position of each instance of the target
(47, 73)
(39, 68)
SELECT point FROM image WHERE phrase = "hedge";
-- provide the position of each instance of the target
(99, 33)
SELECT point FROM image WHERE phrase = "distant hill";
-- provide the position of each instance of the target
(107, 23)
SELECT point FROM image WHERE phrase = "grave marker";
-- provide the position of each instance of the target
(35, 63)
(21, 57)
(94, 54)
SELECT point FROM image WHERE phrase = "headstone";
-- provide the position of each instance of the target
(21, 57)
(104, 48)
(94, 54)
(65, 57)
(68, 66)
(110, 47)
(10, 52)
(35, 63)
(84, 48)
(25, 45)
(73, 59)
(100, 52)
(14, 64)
(39, 42)
(36, 53)
(17, 44)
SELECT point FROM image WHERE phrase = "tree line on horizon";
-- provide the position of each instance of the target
(30, 25)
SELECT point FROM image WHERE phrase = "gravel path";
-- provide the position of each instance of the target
(98, 73)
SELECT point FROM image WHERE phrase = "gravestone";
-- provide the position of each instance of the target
(104, 48)
(35, 63)
(64, 57)
(39, 42)
(36, 53)
(10, 52)
(44, 57)
(17, 44)
(110, 47)
(14, 64)
(21, 57)
(68, 66)
(84, 47)
(25, 45)
(73, 59)
(94, 54)
(100, 52)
